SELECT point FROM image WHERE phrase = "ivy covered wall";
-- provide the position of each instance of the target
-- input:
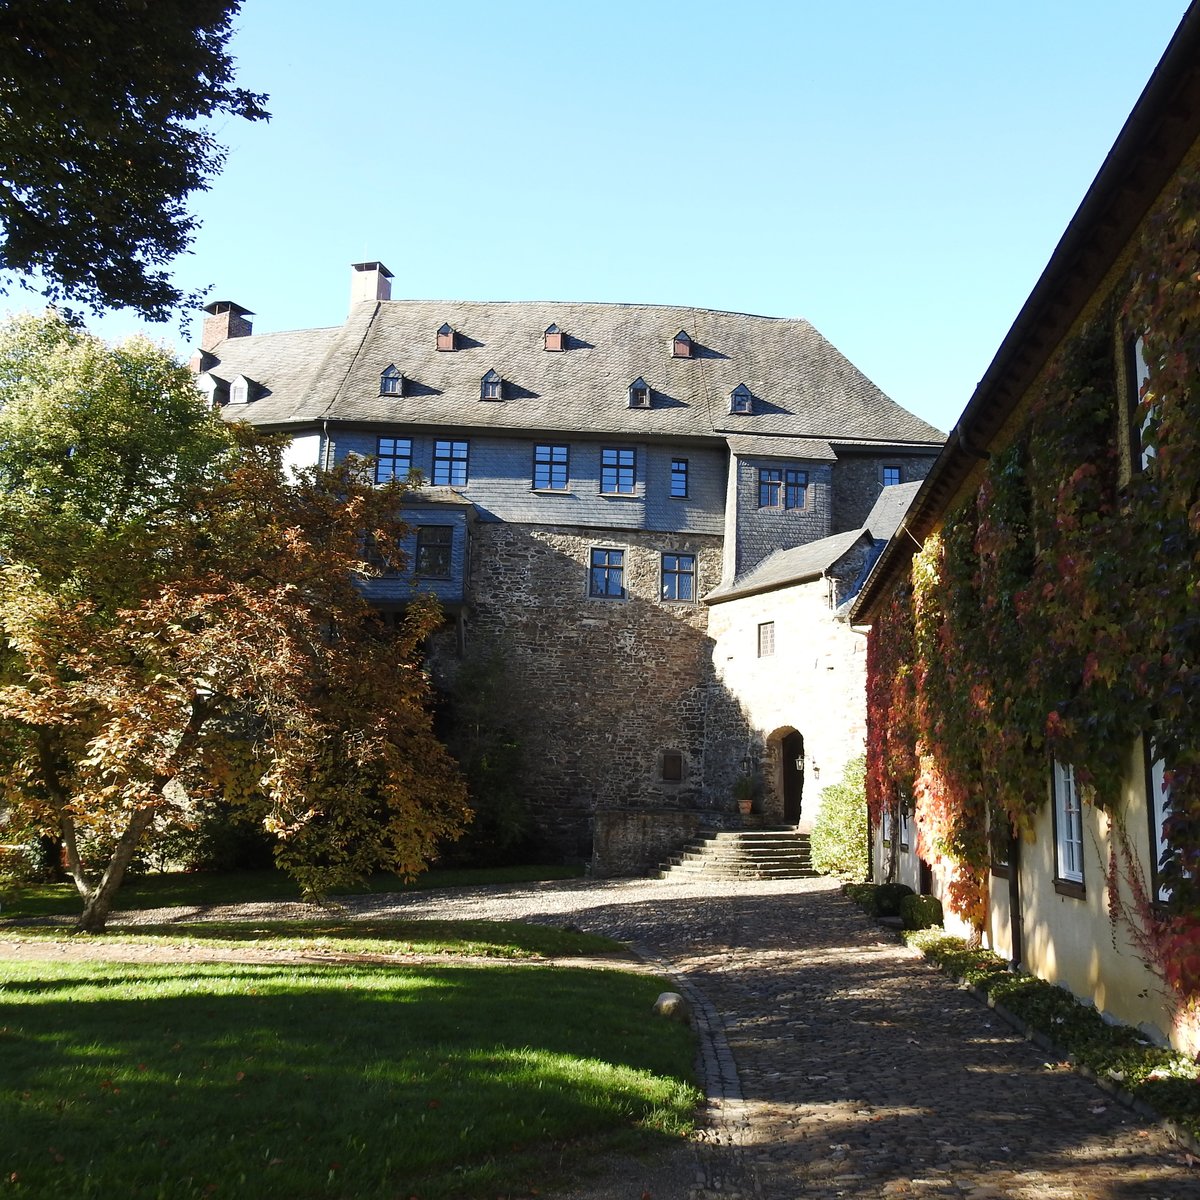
(1056, 613)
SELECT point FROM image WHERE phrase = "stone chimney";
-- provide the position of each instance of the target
(369, 281)
(224, 320)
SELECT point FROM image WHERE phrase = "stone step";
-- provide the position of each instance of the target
(742, 854)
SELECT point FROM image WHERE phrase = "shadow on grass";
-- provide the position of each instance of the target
(365, 1082)
(206, 889)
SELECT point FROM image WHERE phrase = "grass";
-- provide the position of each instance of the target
(1159, 1077)
(486, 939)
(371, 1081)
(202, 888)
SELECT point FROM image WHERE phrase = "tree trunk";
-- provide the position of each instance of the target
(99, 900)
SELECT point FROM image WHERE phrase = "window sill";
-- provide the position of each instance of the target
(537, 491)
(619, 495)
(1000, 870)
(1070, 887)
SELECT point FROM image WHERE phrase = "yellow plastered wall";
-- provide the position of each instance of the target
(1071, 941)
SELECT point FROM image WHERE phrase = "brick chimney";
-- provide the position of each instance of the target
(369, 281)
(224, 320)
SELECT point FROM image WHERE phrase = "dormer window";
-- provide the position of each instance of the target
(215, 389)
(741, 402)
(639, 393)
(682, 346)
(446, 338)
(555, 338)
(491, 387)
(241, 390)
(391, 382)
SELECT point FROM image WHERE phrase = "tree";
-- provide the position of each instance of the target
(102, 140)
(181, 621)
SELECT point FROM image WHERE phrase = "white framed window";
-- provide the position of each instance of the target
(1158, 800)
(391, 382)
(1137, 375)
(1068, 824)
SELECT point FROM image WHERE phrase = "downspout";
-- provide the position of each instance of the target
(1015, 921)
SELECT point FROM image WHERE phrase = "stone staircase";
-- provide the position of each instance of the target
(742, 854)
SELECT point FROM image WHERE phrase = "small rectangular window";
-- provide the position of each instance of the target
(679, 577)
(449, 464)
(1068, 824)
(551, 468)
(679, 478)
(617, 471)
(891, 476)
(766, 639)
(393, 458)
(435, 544)
(770, 484)
(795, 489)
(672, 766)
(607, 573)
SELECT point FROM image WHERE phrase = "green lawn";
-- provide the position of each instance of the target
(174, 889)
(350, 1080)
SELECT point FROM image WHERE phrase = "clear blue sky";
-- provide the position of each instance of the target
(898, 174)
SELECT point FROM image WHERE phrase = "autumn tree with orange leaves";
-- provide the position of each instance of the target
(181, 622)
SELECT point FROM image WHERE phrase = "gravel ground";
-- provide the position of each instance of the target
(835, 1061)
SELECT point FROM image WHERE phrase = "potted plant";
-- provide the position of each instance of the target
(744, 789)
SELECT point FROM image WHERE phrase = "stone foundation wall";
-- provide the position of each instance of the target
(635, 841)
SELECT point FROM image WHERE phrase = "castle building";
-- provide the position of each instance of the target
(649, 513)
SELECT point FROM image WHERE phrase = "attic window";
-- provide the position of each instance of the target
(445, 338)
(682, 346)
(740, 400)
(491, 387)
(555, 338)
(241, 390)
(391, 382)
(639, 393)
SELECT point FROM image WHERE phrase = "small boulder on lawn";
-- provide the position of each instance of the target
(674, 1007)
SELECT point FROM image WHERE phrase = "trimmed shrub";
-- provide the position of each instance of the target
(839, 837)
(889, 897)
(921, 912)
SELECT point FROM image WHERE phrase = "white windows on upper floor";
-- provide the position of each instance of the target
(1068, 828)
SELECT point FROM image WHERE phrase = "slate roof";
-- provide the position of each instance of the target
(803, 386)
(785, 567)
(884, 518)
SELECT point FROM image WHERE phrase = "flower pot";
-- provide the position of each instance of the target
(744, 806)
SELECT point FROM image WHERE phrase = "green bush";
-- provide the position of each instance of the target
(839, 837)
(921, 912)
(889, 897)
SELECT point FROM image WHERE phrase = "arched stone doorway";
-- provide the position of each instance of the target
(786, 751)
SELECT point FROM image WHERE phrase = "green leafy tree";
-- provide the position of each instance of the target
(103, 105)
(839, 836)
(181, 623)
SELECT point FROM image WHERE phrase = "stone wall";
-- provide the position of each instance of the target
(858, 480)
(607, 686)
(628, 841)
